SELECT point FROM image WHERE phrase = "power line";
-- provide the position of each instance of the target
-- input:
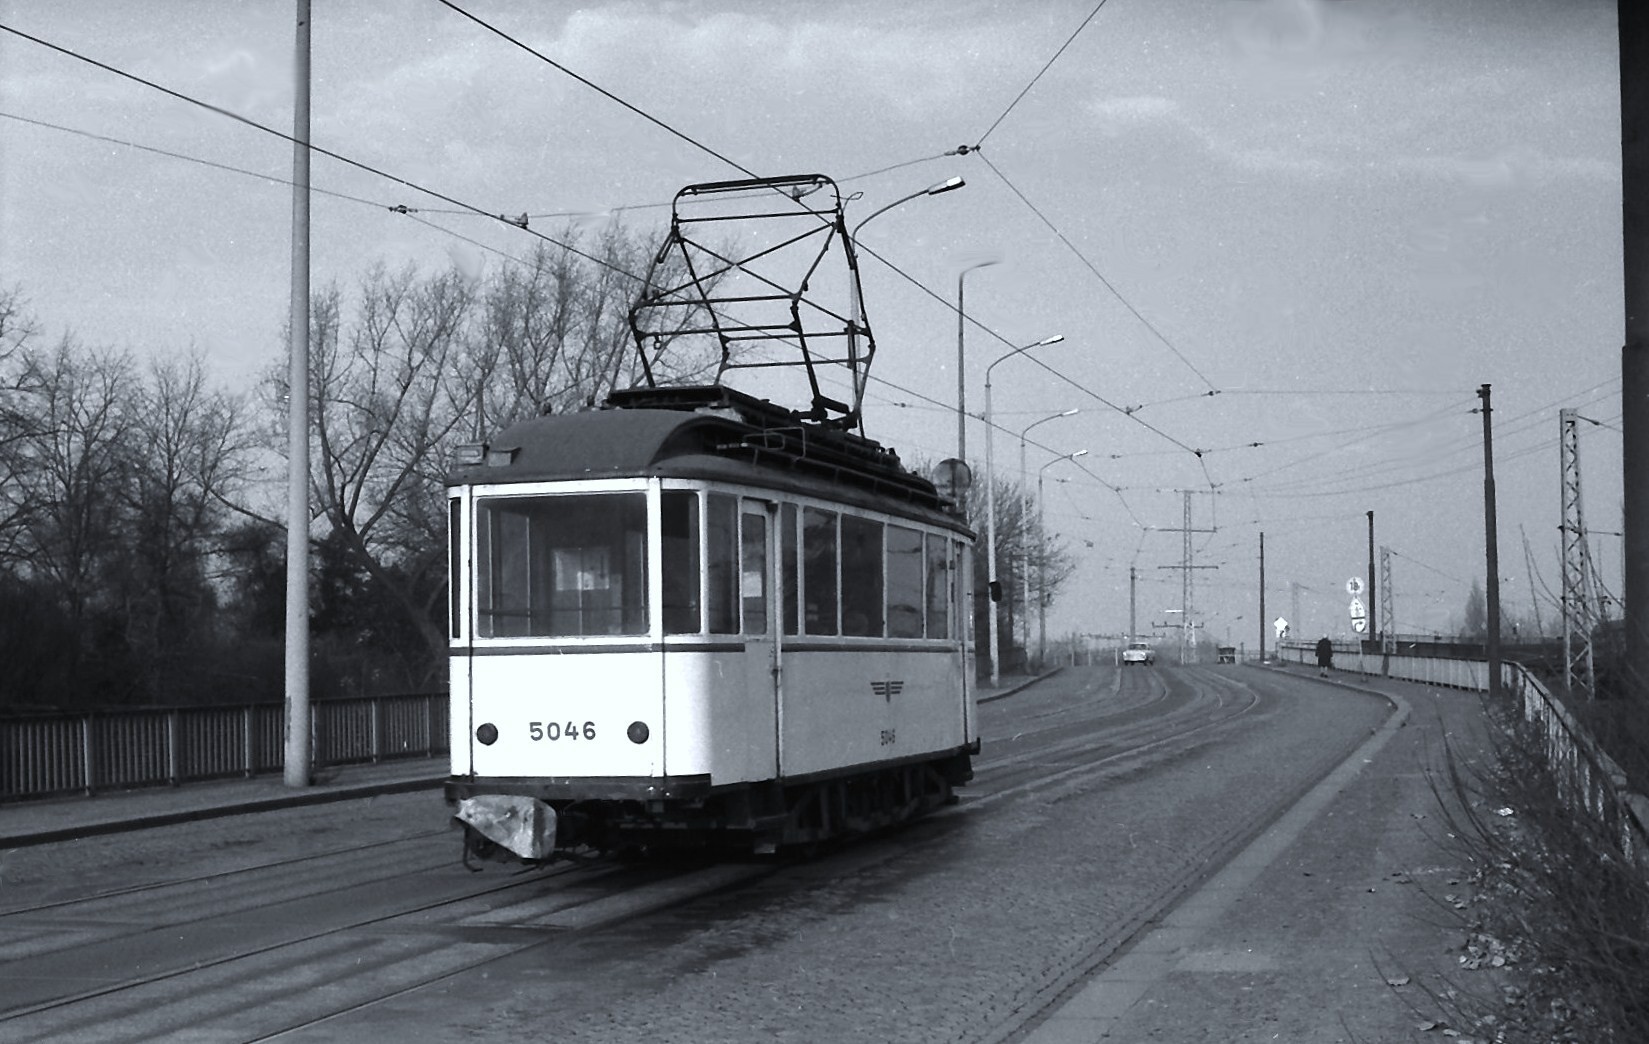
(1080, 256)
(1040, 73)
(187, 158)
(604, 92)
(357, 164)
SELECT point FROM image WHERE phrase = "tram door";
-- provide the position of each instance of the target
(758, 559)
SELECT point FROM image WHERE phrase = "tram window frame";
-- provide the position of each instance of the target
(821, 580)
(863, 587)
(679, 562)
(455, 566)
(753, 580)
(938, 579)
(789, 568)
(525, 562)
(906, 581)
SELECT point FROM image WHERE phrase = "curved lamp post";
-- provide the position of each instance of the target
(1024, 484)
(856, 320)
(992, 586)
(962, 368)
(1042, 567)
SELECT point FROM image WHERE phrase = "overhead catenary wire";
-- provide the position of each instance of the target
(1039, 74)
(312, 147)
(1091, 267)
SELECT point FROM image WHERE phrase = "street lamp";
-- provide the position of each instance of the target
(856, 320)
(1042, 566)
(949, 184)
(1024, 484)
(993, 587)
(962, 366)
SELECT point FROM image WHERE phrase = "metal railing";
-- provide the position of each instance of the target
(54, 755)
(1587, 777)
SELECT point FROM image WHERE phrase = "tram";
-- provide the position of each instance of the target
(692, 616)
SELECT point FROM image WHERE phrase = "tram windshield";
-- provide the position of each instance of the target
(561, 566)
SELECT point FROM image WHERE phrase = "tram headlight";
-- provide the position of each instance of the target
(638, 732)
(487, 734)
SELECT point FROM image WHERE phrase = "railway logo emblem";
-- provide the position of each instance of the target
(887, 689)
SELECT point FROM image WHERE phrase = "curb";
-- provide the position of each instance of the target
(1021, 687)
(159, 819)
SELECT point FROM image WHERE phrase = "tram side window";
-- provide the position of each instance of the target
(721, 566)
(787, 558)
(680, 562)
(861, 576)
(904, 582)
(819, 570)
(561, 566)
(938, 586)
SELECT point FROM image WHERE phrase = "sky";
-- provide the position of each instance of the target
(1285, 241)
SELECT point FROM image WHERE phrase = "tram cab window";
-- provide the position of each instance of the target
(819, 570)
(938, 586)
(861, 576)
(904, 582)
(680, 561)
(561, 566)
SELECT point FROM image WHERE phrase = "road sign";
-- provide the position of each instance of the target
(1281, 627)
(1354, 586)
(1359, 616)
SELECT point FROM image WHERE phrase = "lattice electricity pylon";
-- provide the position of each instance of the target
(1579, 602)
(745, 263)
(1388, 618)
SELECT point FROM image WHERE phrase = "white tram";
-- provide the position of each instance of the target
(692, 616)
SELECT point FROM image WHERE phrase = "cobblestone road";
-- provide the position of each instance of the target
(958, 929)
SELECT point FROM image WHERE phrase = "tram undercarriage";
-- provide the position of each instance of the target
(761, 817)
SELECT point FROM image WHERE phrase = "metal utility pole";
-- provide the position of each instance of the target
(1491, 545)
(1388, 617)
(1578, 599)
(1374, 619)
(1263, 623)
(1633, 20)
(297, 751)
(1133, 602)
(1188, 635)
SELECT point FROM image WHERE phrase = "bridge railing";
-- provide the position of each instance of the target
(57, 754)
(1587, 777)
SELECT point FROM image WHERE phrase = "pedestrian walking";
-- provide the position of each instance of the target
(1325, 656)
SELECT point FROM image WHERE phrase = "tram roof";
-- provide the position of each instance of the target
(709, 433)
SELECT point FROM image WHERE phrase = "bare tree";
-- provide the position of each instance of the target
(385, 396)
(189, 457)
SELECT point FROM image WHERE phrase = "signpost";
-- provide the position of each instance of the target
(1359, 613)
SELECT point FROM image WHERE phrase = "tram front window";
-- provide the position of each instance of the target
(561, 566)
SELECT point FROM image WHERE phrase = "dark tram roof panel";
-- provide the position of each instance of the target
(700, 432)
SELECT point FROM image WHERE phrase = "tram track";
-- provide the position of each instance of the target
(580, 900)
(1117, 735)
(308, 859)
(394, 952)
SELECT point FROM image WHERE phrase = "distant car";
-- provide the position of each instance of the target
(1228, 654)
(1139, 652)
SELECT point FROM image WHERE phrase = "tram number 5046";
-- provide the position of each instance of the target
(554, 730)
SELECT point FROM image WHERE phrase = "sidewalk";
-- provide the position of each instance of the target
(1338, 923)
(64, 819)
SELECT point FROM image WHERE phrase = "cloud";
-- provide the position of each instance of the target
(1118, 114)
